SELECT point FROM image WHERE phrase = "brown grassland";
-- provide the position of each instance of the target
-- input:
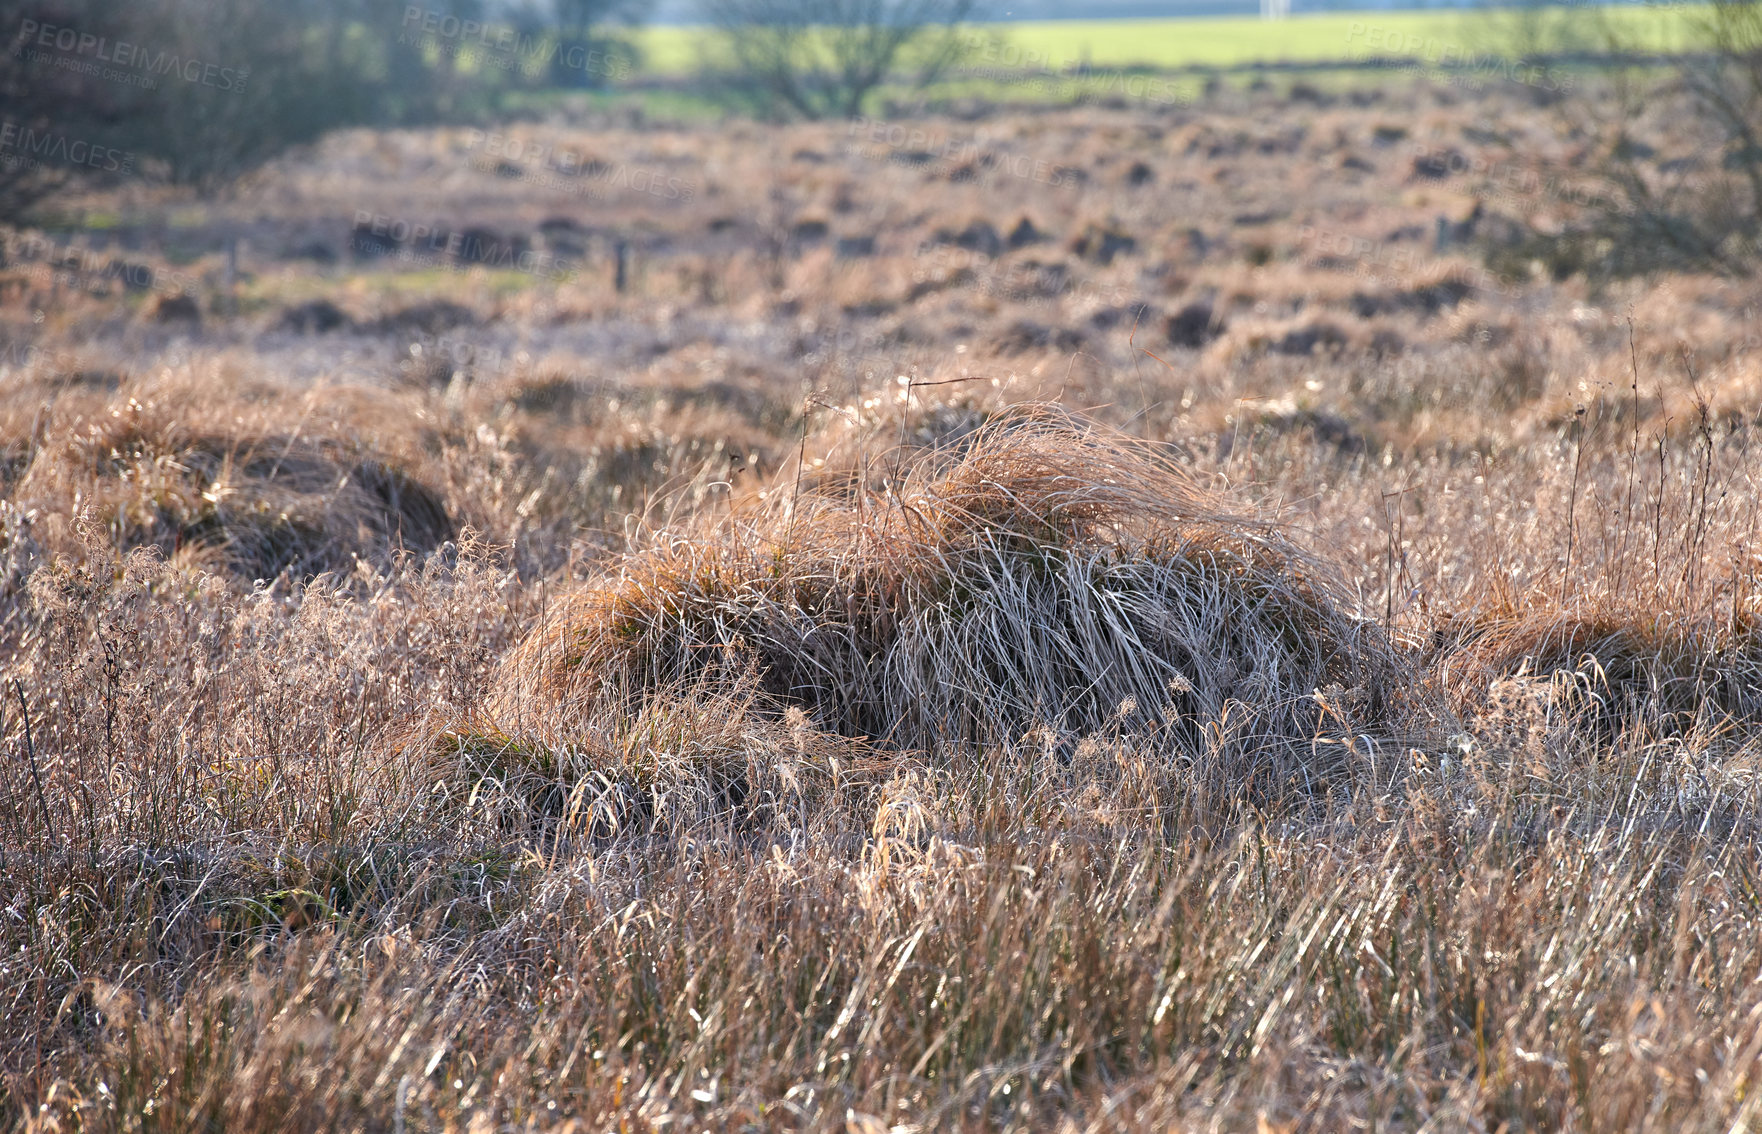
(1095, 618)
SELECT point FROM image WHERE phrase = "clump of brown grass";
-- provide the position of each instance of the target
(252, 498)
(1611, 667)
(697, 760)
(1045, 573)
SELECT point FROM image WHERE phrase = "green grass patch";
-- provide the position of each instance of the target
(1233, 41)
(431, 282)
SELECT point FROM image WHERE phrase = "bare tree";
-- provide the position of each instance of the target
(1674, 175)
(1725, 86)
(201, 93)
(586, 56)
(248, 83)
(48, 113)
(822, 58)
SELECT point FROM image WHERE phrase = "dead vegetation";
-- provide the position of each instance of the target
(250, 498)
(1650, 672)
(1212, 659)
(1041, 573)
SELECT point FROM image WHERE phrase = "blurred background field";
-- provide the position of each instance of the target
(1223, 41)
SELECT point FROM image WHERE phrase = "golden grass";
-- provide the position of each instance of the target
(157, 464)
(1147, 734)
(1040, 572)
(1653, 671)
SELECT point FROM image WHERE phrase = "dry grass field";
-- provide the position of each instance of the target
(1134, 616)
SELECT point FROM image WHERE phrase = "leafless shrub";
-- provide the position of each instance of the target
(822, 60)
(1694, 202)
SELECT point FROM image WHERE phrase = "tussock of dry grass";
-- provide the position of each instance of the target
(703, 760)
(1656, 671)
(1044, 572)
(165, 465)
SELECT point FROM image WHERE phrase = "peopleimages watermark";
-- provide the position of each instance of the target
(24, 147)
(86, 269)
(417, 244)
(118, 60)
(26, 356)
(996, 60)
(569, 171)
(462, 354)
(872, 353)
(1380, 262)
(881, 140)
(1511, 181)
(505, 47)
(950, 266)
(1368, 41)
